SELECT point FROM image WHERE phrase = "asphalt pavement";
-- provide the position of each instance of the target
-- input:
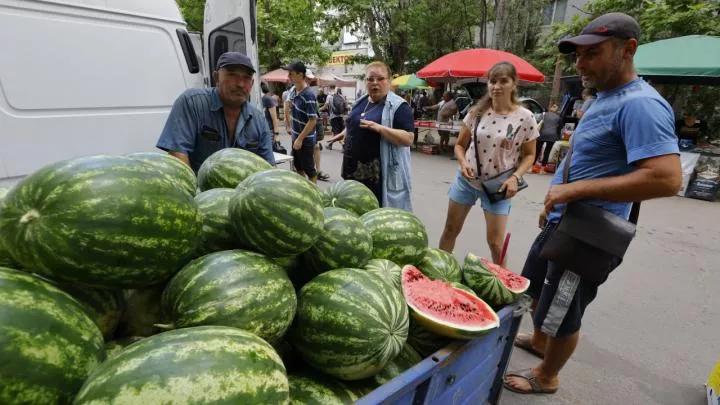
(652, 335)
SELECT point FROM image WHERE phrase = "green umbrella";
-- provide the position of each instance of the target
(409, 82)
(693, 55)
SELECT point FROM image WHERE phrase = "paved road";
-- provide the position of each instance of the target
(652, 335)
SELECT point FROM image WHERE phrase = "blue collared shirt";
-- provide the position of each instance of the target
(196, 126)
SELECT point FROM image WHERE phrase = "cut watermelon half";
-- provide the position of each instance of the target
(494, 284)
(444, 309)
(514, 282)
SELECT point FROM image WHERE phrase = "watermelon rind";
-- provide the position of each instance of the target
(425, 341)
(313, 388)
(103, 221)
(398, 235)
(486, 284)
(5, 259)
(387, 270)
(114, 347)
(199, 365)
(218, 232)
(105, 307)
(277, 212)
(49, 343)
(350, 195)
(172, 167)
(350, 323)
(439, 264)
(344, 242)
(228, 167)
(448, 327)
(234, 288)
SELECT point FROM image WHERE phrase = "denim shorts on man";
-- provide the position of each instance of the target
(462, 192)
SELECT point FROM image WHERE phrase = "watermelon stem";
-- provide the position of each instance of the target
(164, 326)
(30, 216)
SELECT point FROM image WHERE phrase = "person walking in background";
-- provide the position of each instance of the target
(336, 105)
(270, 110)
(624, 149)
(504, 134)
(588, 96)
(377, 138)
(549, 134)
(303, 119)
(446, 109)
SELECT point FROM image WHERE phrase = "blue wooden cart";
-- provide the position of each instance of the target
(461, 373)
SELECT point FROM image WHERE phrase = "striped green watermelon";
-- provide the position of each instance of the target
(228, 167)
(386, 270)
(200, 365)
(463, 287)
(5, 258)
(350, 323)
(114, 347)
(311, 388)
(344, 242)
(172, 168)
(277, 212)
(103, 221)
(494, 284)
(104, 306)
(217, 230)
(439, 264)
(446, 310)
(232, 288)
(351, 195)
(3, 192)
(406, 359)
(48, 344)
(425, 341)
(398, 235)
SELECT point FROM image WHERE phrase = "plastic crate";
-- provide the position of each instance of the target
(461, 373)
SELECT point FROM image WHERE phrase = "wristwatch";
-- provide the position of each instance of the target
(519, 178)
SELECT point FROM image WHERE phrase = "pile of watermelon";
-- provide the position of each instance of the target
(126, 279)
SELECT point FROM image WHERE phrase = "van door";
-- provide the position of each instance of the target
(231, 25)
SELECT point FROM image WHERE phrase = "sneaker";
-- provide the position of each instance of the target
(323, 176)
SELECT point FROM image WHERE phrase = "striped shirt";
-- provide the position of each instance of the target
(304, 108)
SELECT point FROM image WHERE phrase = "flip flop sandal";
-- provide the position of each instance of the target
(323, 176)
(535, 387)
(522, 340)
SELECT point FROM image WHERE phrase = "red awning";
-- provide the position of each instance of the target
(276, 76)
(475, 63)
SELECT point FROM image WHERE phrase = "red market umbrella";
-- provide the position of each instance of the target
(475, 63)
(276, 76)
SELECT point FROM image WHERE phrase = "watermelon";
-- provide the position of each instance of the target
(425, 341)
(3, 193)
(310, 388)
(228, 167)
(463, 287)
(49, 345)
(199, 365)
(386, 270)
(492, 283)
(407, 358)
(103, 221)
(439, 264)
(173, 169)
(446, 310)
(5, 258)
(142, 312)
(235, 288)
(104, 306)
(114, 347)
(349, 324)
(350, 195)
(344, 242)
(217, 230)
(398, 235)
(277, 212)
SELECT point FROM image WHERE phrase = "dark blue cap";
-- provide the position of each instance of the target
(235, 59)
(296, 66)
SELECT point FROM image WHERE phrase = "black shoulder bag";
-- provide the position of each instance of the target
(492, 185)
(589, 240)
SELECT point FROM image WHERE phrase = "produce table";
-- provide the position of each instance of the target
(468, 373)
(429, 128)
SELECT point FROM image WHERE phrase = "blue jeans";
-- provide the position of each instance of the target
(462, 192)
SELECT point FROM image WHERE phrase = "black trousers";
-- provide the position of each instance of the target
(548, 148)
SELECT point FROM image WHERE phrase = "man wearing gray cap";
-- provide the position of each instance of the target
(624, 150)
(203, 121)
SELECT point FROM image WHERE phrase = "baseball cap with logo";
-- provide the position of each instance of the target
(611, 25)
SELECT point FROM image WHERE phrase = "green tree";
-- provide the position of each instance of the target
(193, 11)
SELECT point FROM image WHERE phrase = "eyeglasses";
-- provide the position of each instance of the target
(375, 79)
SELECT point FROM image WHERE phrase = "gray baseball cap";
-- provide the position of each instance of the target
(235, 59)
(610, 25)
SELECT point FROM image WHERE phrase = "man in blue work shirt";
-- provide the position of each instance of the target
(203, 121)
(624, 150)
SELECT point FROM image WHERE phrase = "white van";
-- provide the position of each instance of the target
(83, 77)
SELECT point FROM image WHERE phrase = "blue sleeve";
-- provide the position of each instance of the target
(180, 129)
(647, 127)
(404, 118)
(265, 140)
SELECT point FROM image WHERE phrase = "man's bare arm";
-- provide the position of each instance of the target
(181, 156)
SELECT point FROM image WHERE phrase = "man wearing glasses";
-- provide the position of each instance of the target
(378, 136)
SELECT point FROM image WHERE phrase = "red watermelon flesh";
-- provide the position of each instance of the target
(513, 281)
(444, 309)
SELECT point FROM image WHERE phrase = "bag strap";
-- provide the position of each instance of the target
(634, 210)
(475, 145)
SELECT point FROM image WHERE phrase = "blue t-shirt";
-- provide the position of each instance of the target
(196, 127)
(304, 108)
(625, 125)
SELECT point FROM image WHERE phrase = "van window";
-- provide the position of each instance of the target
(188, 51)
(229, 37)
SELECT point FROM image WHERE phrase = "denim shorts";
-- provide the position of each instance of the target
(462, 192)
